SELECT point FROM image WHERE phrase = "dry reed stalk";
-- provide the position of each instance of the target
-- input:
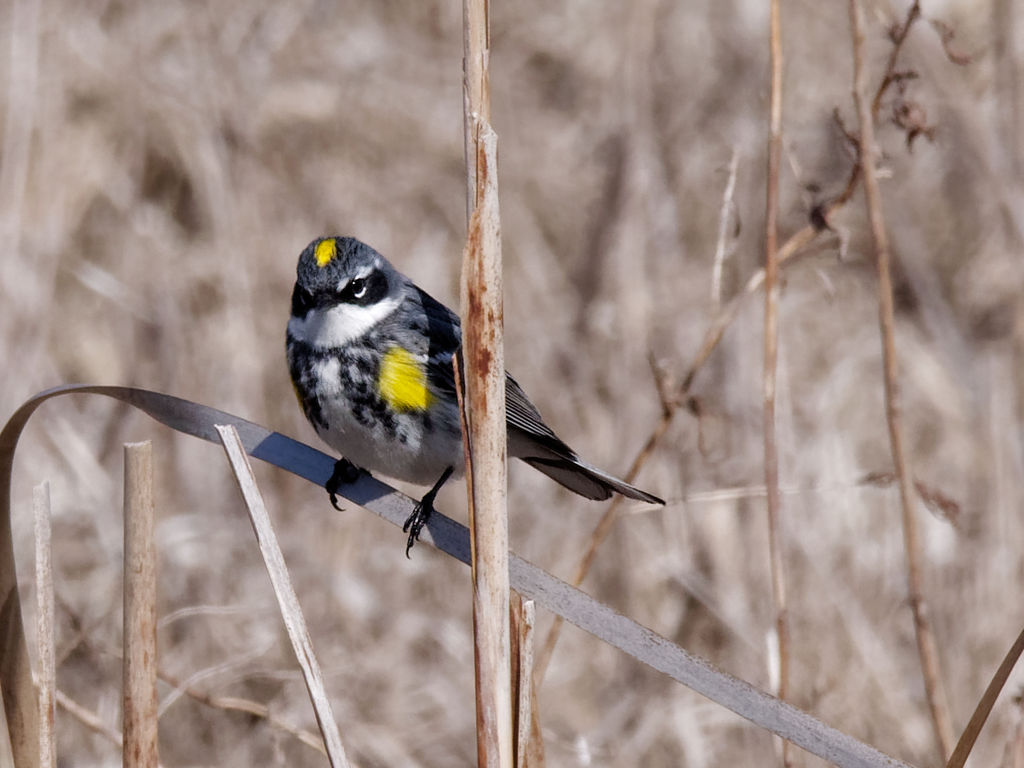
(486, 449)
(476, 93)
(484, 407)
(529, 751)
(140, 652)
(288, 602)
(771, 355)
(926, 645)
(46, 678)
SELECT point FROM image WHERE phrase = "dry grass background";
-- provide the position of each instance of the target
(164, 164)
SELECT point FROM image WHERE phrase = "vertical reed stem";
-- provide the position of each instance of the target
(771, 350)
(47, 677)
(140, 701)
(482, 325)
(926, 645)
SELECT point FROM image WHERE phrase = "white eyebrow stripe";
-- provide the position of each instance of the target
(361, 274)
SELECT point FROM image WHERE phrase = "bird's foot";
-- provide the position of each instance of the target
(345, 473)
(422, 511)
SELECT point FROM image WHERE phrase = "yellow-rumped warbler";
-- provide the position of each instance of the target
(370, 356)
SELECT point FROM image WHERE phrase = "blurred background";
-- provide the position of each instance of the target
(163, 164)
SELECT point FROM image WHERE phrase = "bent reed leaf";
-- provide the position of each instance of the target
(452, 538)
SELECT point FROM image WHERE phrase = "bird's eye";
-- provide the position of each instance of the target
(361, 290)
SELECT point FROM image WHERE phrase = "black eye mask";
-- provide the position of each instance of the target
(364, 291)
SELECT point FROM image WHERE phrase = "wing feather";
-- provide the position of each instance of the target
(529, 438)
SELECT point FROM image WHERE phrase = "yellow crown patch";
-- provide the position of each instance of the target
(403, 381)
(325, 252)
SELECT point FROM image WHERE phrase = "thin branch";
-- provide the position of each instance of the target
(771, 350)
(926, 645)
(249, 707)
(187, 687)
(89, 719)
(199, 675)
(898, 34)
(725, 215)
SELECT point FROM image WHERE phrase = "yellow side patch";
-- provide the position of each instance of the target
(326, 250)
(403, 381)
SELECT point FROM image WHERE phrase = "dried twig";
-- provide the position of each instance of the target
(188, 688)
(249, 707)
(771, 351)
(898, 35)
(938, 502)
(725, 216)
(89, 719)
(947, 35)
(926, 645)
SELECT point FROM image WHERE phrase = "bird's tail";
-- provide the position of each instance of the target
(586, 480)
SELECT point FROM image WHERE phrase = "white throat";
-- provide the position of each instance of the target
(340, 324)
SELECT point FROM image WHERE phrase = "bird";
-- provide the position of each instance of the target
(370, 357)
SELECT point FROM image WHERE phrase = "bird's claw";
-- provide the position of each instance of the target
(415, 522)
(345, 473)
(422, 511)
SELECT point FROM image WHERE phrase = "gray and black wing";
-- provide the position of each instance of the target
(444, 332)
(529, 438)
